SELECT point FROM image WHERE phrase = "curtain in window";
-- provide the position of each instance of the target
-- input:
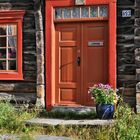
(11, 39)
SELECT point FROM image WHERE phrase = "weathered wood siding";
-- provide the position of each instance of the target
(126, 67)
(28, 85)
(137, 52)
(128, 49)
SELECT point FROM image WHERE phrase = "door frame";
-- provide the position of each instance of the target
(50, 42)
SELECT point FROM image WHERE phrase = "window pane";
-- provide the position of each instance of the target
(94, 11)
(12, 64)
(8, 44)
(12, 30)
(12, 53)
(84, 12)
(12, 41)
(3, 42)
(103, 11)
(58, 13)
(3, 29)
(2, 53)
(67, 12)
(2, 64)
(81, 12)
(76, 12)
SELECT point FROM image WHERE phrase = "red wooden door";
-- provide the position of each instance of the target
(95, 57)
(81, 61)
(67, 72)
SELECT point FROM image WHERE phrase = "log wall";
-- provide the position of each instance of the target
(28, 85)
(128, 49)
(126, 66)
(137, 52)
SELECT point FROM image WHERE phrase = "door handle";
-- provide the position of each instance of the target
(78, 60)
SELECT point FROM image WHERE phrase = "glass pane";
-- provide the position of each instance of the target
(2, 64)
(3, 42)
(58, 13)
(3, 53)
(103, 11)
(84, 12)
(12, 64)
(94, 11)
(12, 30)
(12, 41)
(12, 53)
(67, 12)
(76, 12)
(3, 29)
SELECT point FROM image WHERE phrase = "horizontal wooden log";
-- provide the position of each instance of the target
(16, 6)
(29, 48)
(125, 2)
(28, 43)
(28, 25)
(126, 58)
(30, 76)
(131, 101)
(122, 22)
(126, 84)
(14, 1)
(29, 31)
(127, 68)
(125, 48)
(127, 91)
(29, 66)
(127, 37)
(127, 77)
(125, 40)
(125, 30)
(29, 57)
(18, 87)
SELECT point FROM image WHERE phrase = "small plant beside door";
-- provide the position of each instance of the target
(106, 98)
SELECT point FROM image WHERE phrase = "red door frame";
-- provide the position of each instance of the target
(50, 32)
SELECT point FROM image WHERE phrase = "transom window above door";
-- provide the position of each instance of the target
(8, 47)
(81, 12)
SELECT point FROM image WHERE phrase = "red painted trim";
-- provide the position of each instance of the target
(112, 44)
(11, 14)
(14, 16)
(49, 24)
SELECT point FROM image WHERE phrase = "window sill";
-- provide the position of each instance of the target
(11, 76)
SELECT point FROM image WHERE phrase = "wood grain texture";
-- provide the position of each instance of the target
(126, 40)
(28, 85)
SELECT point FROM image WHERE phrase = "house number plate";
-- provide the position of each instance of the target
(126, 13)
(95, 43)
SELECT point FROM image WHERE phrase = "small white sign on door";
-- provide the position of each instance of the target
(126, 13)
(79, 2)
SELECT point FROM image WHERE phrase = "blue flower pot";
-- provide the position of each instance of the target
(105, 111)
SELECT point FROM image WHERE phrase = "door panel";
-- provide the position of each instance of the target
(81, 61)
(67, 72)
(95, 57)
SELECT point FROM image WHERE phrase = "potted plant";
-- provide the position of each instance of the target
(105, 97)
